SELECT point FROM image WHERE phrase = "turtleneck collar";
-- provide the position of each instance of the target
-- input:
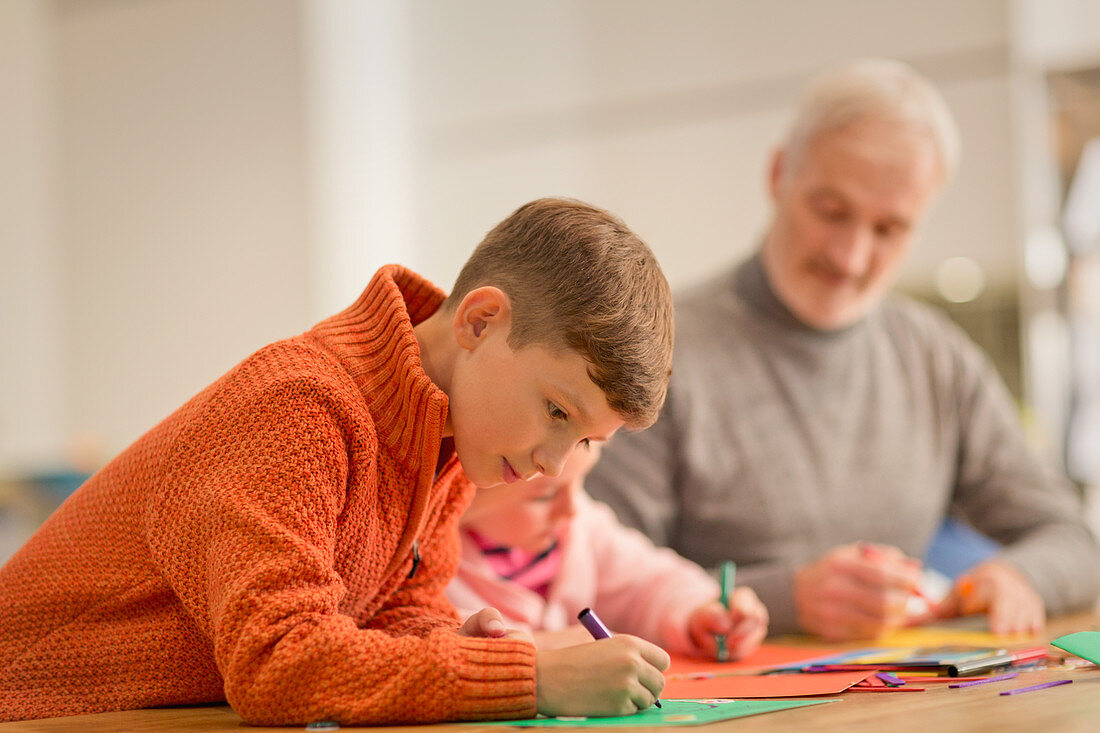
(751, 285)
(374, 340)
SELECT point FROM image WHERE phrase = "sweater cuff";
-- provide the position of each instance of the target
(1063, 574)
(497, 681)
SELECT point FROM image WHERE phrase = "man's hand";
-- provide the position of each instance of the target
(744, 625)
(856, 591)
(1001, 591)
(616, 676)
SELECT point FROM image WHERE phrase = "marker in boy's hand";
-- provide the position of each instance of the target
(744, 625)
(592, 623)
(616, 676)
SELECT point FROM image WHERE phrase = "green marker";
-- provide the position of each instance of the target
(729, 571)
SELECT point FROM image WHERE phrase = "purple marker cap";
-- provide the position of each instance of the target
(591, 621)
(1018, 690)
(998, 678)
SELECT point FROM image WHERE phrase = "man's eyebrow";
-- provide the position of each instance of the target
(822, 192)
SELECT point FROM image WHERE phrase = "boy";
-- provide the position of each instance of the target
(542, 552)
(283, 540)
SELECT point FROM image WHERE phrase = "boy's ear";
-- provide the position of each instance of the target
(482, 312)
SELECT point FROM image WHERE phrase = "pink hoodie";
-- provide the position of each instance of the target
(637, 587)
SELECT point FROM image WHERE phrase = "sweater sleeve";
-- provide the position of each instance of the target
(642, 589)
(1006, 491)
(640, 476)
(243, 525)
(421, 603)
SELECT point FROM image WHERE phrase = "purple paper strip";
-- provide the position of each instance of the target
(1036, 687)
(890, 679)
(998, 678)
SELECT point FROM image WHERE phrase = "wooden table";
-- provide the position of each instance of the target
(1074, 707)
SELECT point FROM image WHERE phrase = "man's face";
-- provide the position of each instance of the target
(532, 515)
(844, 219)
(519, 414)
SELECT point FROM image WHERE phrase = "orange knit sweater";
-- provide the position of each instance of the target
(256, 547)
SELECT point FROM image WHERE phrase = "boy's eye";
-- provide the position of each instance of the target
(556, 412)
(586, 444)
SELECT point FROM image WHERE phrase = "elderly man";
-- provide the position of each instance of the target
(817, 432)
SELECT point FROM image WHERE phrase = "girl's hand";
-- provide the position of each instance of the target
(744, 624)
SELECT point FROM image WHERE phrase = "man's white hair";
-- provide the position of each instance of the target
(873, 89)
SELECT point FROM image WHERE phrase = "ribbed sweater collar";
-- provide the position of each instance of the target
(751, 284)
(374, 340)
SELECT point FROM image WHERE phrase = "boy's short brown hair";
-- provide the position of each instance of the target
(578, 278)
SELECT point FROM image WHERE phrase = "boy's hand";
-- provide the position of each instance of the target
(570, 636)
(744, 625)
(616, 676)
(489, 623)
(850, 593)
(1001, 591)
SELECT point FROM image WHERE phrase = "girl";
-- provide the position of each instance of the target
(540, 551)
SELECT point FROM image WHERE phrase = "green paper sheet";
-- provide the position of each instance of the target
(675, 712)
(1085, 644)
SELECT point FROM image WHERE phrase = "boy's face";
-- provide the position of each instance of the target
(517, 414)
(532, 515)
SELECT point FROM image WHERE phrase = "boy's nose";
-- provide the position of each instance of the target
(551, 461)
(550, 469)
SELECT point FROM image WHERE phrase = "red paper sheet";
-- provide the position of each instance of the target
(767, 656)
(772, 685)
(872, 680)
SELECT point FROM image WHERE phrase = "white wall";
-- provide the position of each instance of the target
(360, 156)
(227, 172)
(182, 198)
(32, 388)
(1047, 36)
(667, 112)
(663, 112)
(1058, 34)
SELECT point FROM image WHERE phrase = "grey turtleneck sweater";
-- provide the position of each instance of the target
(779, 442)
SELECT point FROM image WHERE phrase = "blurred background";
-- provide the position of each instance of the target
(184, 181)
